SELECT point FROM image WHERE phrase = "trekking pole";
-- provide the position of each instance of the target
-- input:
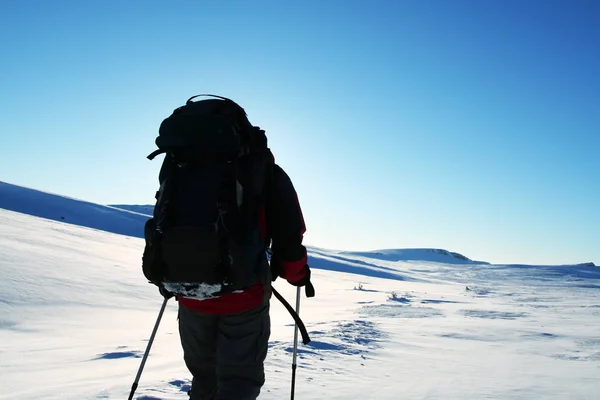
(294, 365)
(139, 374)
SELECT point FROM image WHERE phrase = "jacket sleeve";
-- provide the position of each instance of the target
(285, 225)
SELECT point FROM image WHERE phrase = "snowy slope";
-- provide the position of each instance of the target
(145, 209)
(76, 313)
(73, 211)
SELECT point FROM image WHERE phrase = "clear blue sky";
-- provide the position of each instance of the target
(472, 126)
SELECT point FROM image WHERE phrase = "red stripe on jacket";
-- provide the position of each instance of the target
(233, 303)
(293, 271)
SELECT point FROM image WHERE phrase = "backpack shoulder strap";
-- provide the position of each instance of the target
(155, 153)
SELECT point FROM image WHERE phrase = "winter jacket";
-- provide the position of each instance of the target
(282, 225)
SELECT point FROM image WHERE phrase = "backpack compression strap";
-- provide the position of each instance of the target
(294, 314)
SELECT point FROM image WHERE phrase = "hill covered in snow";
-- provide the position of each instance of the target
(72, 211)
(433, 255)
(76, 314)
(129, 220)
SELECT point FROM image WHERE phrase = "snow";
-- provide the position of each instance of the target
(76, 314)
(434, 255)
(69, 210)
(146, 209)
(193, 290)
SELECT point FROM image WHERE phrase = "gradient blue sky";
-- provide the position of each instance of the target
(472, 126)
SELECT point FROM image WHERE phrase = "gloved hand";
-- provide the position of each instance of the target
(308, 286)
(275, 269)
(164, 292)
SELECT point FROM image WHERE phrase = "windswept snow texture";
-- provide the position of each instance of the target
(76, 314)
(141, 209)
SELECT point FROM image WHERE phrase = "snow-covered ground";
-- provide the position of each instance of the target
(76, 314)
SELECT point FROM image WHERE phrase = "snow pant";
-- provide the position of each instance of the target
(225, 353)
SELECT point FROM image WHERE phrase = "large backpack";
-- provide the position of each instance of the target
(204, 238)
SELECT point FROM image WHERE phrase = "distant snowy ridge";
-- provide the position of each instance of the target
(129, 220)
(417, 254)
(72, 211)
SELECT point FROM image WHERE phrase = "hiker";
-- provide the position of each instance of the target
(222, 202)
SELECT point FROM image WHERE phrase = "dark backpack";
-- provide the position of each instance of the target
(204, 238)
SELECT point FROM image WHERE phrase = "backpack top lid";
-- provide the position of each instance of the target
(222, 106)
(217, 125)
